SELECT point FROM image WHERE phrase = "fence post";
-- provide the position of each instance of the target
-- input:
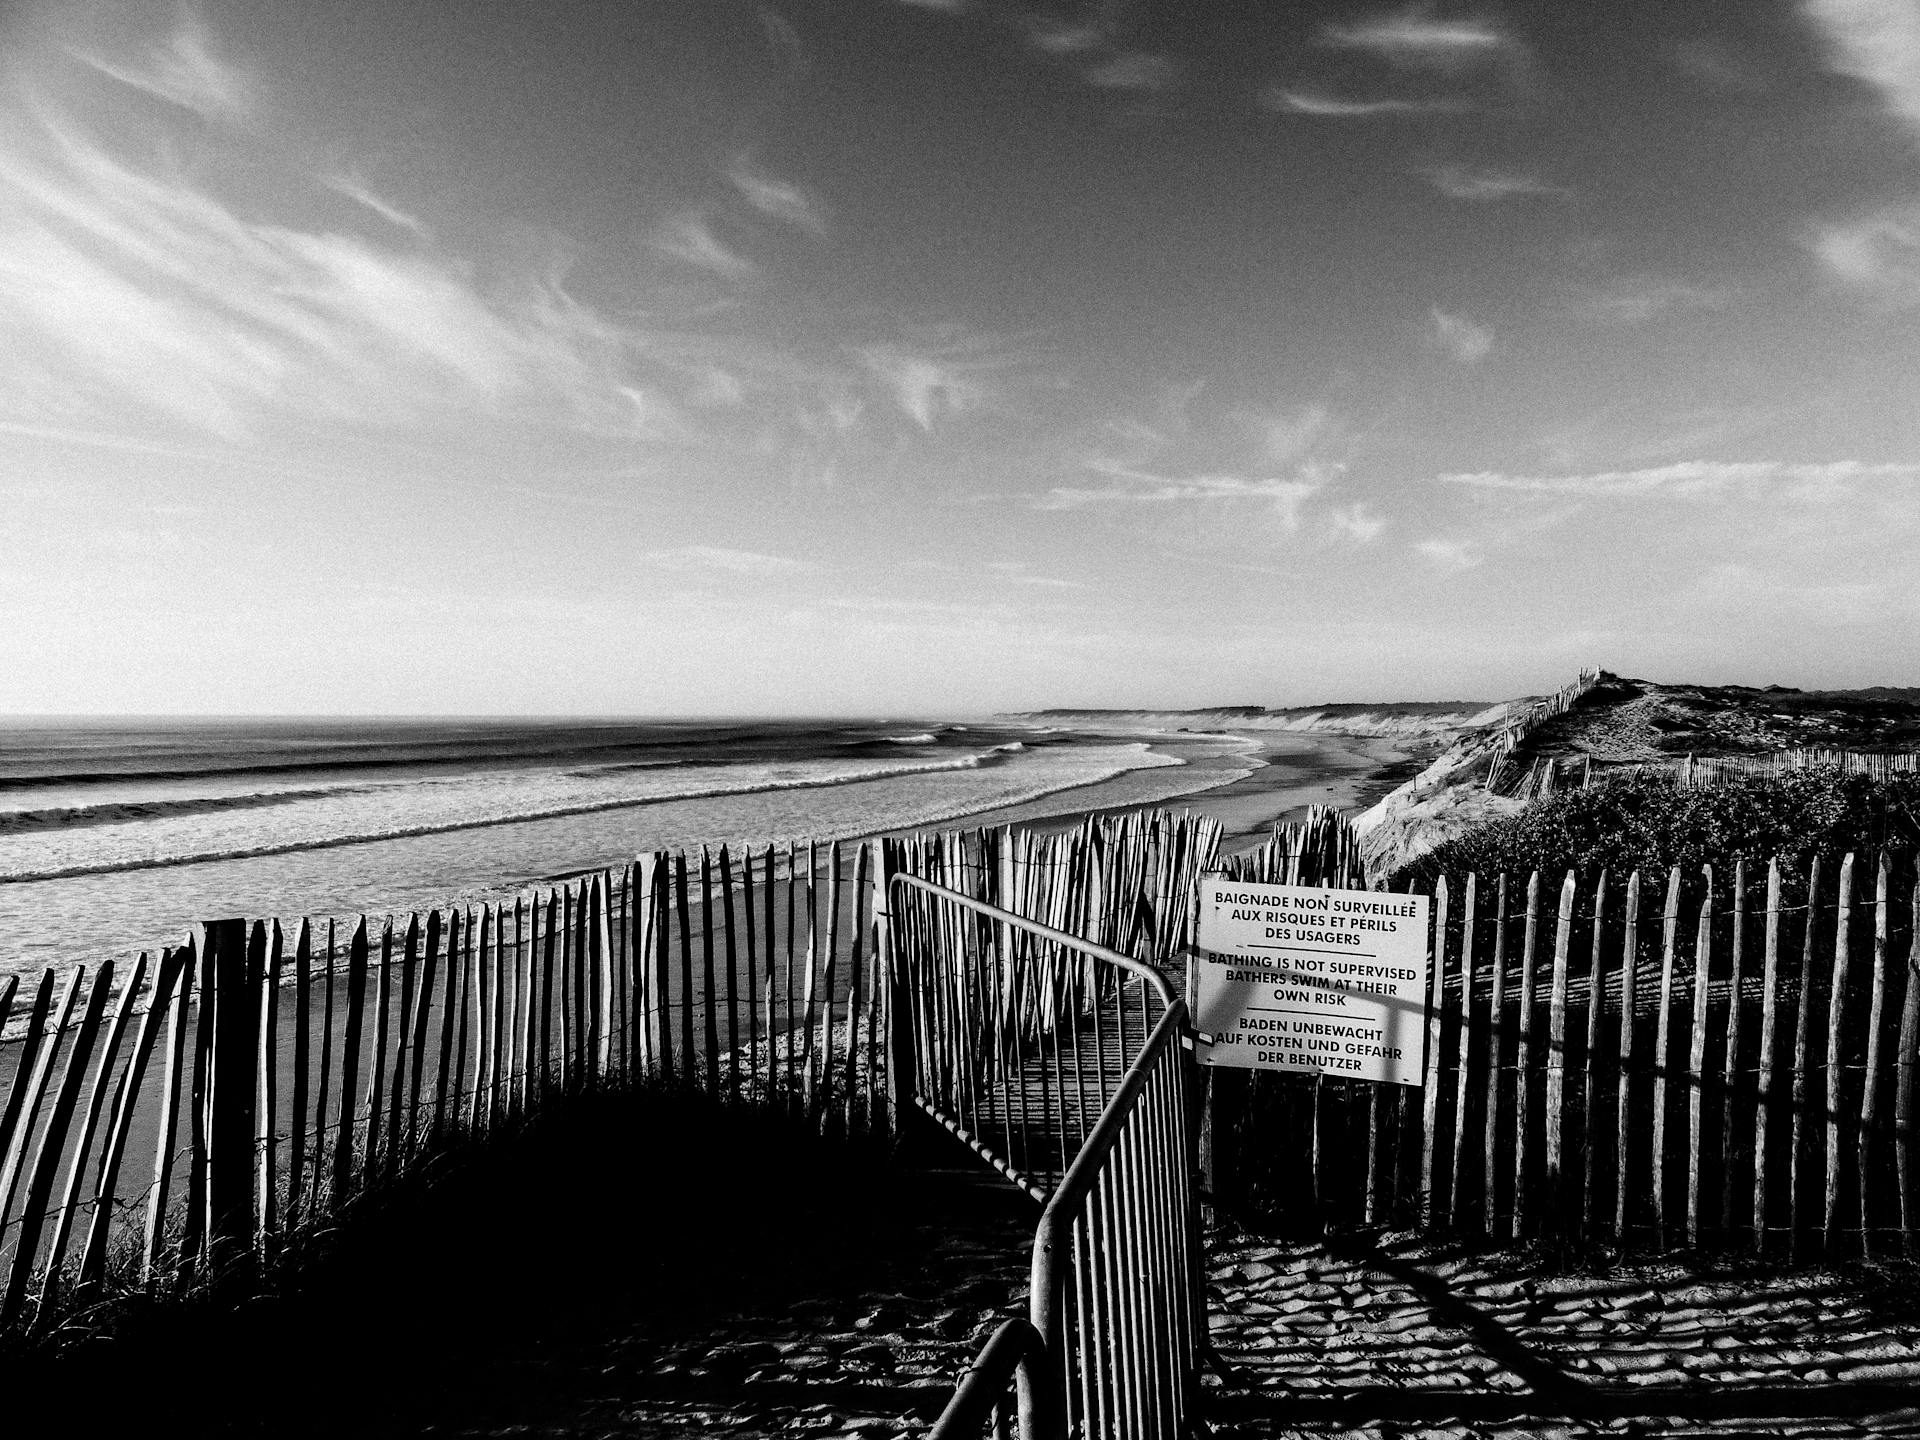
(897, 1018)
(231, 1098)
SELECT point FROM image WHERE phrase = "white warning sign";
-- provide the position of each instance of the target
(1321, 982)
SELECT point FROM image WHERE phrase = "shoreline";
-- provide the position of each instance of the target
(1276, 777)
(1246, 780)
(1290, 772)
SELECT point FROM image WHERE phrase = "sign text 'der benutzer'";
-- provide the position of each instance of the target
(1323, 982)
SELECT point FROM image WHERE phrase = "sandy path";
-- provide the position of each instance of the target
(1422, 1340)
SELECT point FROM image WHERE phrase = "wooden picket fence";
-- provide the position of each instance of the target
(265, 1075)
(1718, 1058)
(308, 1064)
(1722, 1065)
(1519, 725)
(1550, 774)
(1724, 1057)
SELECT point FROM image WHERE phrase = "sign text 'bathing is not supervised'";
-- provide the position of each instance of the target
(1325, 982)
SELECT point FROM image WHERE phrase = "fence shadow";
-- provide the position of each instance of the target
(639, 1250)
(1354, 1335)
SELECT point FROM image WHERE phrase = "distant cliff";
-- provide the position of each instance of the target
(1415, 719)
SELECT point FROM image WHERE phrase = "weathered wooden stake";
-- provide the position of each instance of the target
(1763, 1077)
(1697, 1056)
(1870, 1077)
(1663, 1055)
(1836, 1010)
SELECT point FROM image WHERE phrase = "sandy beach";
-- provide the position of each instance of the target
(1291, 771)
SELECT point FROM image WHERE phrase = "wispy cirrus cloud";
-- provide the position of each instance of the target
(1478, 183)
(1815, 482)
(778, 199)
(688, 235)
(1340, 107)
(926, 389)
(1876, 254)
(1450, 553)
(1636, 299)
(944, 374)
(1460, 337)
(1132, 70)
(183, 71)
(718, 560)
(1413, 39)
(1101, 57)
(1358, 521)
(358, 192)
(1018, 572)
(1292, 436)
(1876, 42)
(1121, 485)
(131, 291)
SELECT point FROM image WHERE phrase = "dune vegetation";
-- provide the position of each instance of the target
(1652, 822)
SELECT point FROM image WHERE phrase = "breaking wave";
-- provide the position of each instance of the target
(511, 816)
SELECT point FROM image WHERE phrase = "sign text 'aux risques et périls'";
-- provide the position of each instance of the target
(1322, 982)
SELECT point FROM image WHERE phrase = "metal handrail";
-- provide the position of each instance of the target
(1141, 1217)
(1053, 1240)
(1046, 932)
(1014, 1344)
(1033, 1350)
(1085, 1168)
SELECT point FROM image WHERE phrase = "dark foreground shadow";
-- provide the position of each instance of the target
(639, 1257)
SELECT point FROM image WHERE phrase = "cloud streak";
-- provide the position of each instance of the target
(1693, 479)
(1450, 554)
(184, 72)
(1126, 486)
(1098, 58)
(1634, 300)
(944, 377)
(355, 191)
(1475, 184)
(120, 286)
(1337, 107)
(689, 236)
(1357, 521)
(1877, 255)
(1876, 42)
(777, 199)
(1465, 341)
(718, 560)
(1414, 41)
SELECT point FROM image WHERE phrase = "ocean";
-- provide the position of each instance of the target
(120, 836)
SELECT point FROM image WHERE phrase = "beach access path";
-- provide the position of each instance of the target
(1400, 1339)
(585, 1289)
(1408, 1338)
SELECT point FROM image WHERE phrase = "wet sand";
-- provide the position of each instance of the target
(1295, 771)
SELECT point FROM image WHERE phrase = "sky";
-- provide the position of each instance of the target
(951, 356)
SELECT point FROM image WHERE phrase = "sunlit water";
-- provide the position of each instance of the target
(117, 838)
